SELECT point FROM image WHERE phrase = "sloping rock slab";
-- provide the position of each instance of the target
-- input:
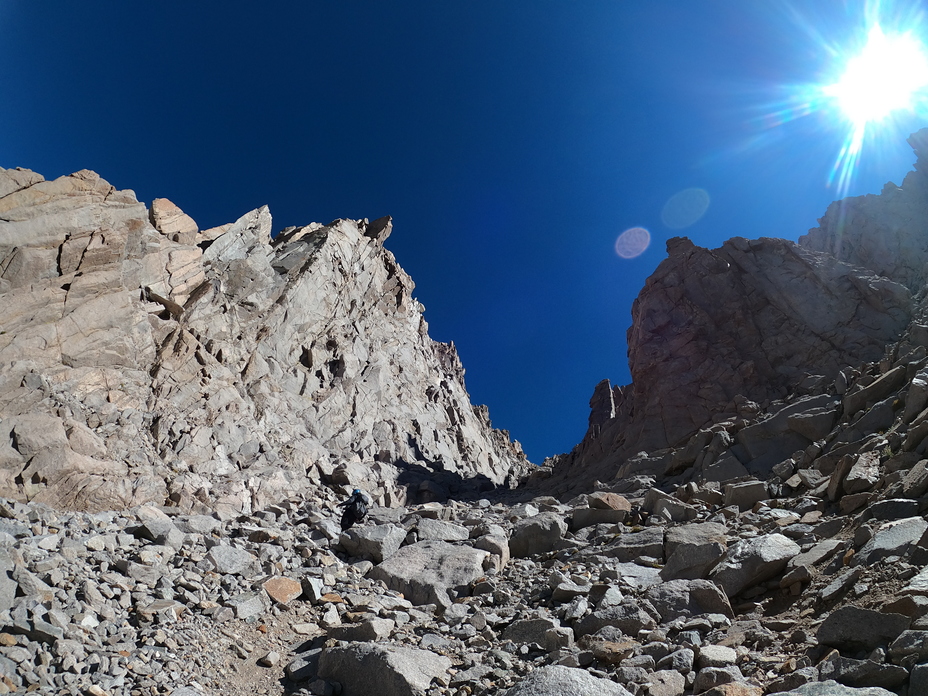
(751, 561)
(431, 572)
(367, 668)
(688, 598)
(853, 628)
(555, 680)
(833, 688)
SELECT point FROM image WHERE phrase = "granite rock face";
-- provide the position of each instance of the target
(143, 359)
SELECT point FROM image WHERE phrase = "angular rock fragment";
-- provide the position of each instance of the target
(431, 572)
(751, 561)
(368, 668)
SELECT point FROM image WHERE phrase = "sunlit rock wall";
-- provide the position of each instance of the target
(218, 367)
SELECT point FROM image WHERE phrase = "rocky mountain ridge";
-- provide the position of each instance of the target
(729, 337)
(144, 360)
(747, 518)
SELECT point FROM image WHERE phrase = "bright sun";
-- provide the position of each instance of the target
(888, 76)
(885, 76)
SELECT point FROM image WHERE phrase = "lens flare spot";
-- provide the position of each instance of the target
(632, 242)
(685, 208)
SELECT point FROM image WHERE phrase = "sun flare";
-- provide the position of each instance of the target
(885, 76)
(889, 76)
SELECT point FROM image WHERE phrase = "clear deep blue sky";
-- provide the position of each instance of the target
(512, 142)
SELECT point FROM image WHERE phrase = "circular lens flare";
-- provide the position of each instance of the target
(685, 208)
(632, 242)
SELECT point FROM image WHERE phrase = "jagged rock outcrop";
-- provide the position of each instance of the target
(725, 335)
(142, 358)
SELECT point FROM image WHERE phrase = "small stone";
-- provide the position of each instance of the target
(270, 659)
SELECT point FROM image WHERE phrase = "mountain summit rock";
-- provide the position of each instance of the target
(145, 360)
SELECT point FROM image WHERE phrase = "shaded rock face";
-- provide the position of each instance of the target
(719, 334)
(883, 233)
(220, 366)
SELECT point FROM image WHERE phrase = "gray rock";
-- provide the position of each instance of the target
(537, 534)
(628, 547)
(833, 688)
(629, 617)
(892, 539)
(371, 629)
(529, 630)
(711, 677)
(554, 680)
(745, 494)
(910, 643)
(751, 561)
(431, 572)
(363, 669)
(375, 543)
(692, 550)
(230, 560)
(685, 598)
(666, 683)
(853, 628)
(851, 672)
(441, 531)
(248, 604)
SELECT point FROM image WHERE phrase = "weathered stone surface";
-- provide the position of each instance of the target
(628, 616)
(367, 668)
(231, 560)
(441, 531)
(692, 550)
(537, 534)
(745, 494)
(853, 628)
(431, 572)
(627, 547)
(751, 561)
(833, 688)
(681, 598)
(225, 362)
(892, 539)
(375, 543)
(555, 680)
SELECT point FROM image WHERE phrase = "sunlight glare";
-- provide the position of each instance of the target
(883, 77)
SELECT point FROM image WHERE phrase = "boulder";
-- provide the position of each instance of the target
(439, 530)
(431, 572)
(627, 547)
(854, 628)
(692, 550)
(832, 688)
(892, 539)
(753, 560)
(537, 534)
(555, 680)
(684, 598)
(374, 543)
(370, 668)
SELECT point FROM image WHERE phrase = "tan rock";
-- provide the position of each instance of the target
(173, 222)
(283, 590)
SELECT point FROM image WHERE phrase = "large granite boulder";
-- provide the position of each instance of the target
(431, 572)
(387, 670)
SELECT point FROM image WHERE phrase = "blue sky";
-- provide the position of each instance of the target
(512, 142)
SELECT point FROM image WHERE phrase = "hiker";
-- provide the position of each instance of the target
(355, 508)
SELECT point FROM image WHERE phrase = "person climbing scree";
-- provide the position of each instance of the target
(355, 508)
